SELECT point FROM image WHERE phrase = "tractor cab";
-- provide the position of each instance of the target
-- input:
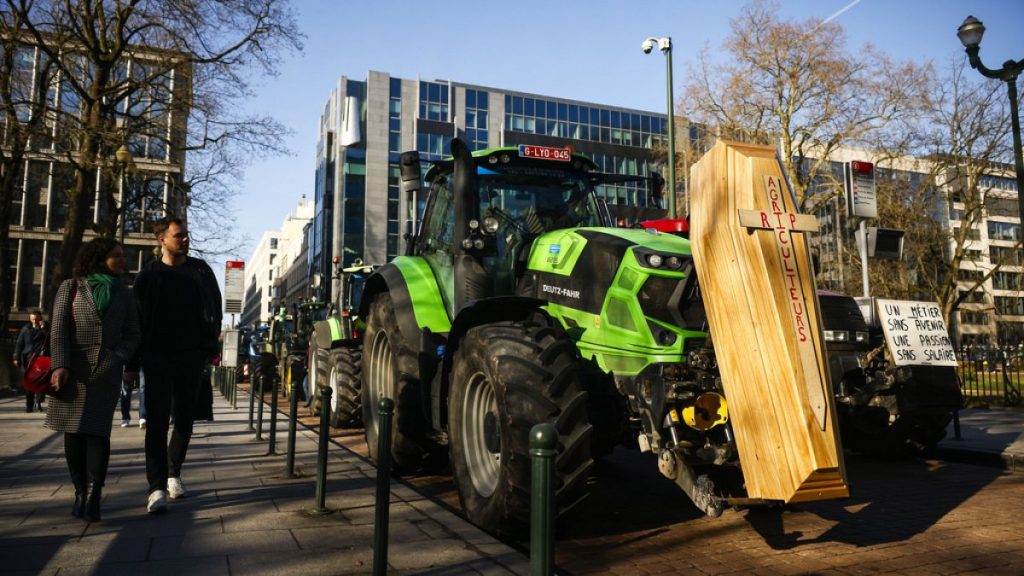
(482, 219)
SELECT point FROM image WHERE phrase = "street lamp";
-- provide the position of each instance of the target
(970, 33)
(126, 164)
(665, 46)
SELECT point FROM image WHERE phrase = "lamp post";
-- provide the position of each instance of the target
(970, 33)
(125, 164)
(665, 46)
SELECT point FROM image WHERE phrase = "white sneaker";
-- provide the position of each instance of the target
(142, 423)
(175, 489)
(157, 502)
(124, 423)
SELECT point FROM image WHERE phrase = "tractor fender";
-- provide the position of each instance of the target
(327, 332)
(416, 297)
(478, 312)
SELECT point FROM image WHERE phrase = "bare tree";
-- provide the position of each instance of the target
(795, 85)
(963, 138)
(164, 78)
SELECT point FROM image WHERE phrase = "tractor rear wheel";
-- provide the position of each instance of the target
(508, 377)
(387, 368)
(319, 369)
(346, 406)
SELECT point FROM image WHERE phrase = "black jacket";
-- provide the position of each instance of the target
(179, 309)
(30, 341)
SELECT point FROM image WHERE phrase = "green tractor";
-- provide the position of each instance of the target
(290, 333)
(518, 303)
(335, 355)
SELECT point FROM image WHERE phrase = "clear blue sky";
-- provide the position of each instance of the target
(579, 49)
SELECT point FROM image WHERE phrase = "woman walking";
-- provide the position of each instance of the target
(95, 330)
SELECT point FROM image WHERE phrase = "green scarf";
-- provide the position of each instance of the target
(103, 288)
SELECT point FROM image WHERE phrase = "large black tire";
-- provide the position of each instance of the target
(506, 378)
(388, 366)
(345, 384)
(319, 371)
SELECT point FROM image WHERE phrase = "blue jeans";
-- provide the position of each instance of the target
(126, 399)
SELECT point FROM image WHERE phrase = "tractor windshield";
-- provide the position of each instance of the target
(533, 202)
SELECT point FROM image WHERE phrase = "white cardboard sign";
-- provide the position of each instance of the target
(916, 333)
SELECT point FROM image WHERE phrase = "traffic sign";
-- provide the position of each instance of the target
(234, 286)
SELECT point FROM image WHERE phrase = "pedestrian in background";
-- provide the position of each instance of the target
(127, 386)
(180, 311)
(95, 331)
(31, 341)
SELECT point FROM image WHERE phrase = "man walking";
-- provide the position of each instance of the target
(180, 311)
(31, 340)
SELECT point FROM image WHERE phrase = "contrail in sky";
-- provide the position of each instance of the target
(837, 14)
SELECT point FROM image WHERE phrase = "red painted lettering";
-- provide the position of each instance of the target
(786, 252)
(792, 294)
(764, 220)
(803, 333)
(775, 206)
(792, 220)
(783, 239)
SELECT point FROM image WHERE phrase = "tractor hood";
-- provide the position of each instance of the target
(636, 285)
(598, 252)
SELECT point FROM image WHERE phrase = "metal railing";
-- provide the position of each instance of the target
(991, 374)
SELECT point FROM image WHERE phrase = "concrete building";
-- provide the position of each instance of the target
(274, 254)
(360, 211)
(151, 190)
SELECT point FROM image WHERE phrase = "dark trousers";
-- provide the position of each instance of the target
(33, 401)
(170, 388)
(88, 458)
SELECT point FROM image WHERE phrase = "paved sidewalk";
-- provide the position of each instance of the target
(992, 436)
(242, 516)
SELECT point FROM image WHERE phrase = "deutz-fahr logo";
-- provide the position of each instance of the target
(559, 291)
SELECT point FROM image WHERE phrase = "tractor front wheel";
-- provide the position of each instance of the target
(508, 377)
(346, 405)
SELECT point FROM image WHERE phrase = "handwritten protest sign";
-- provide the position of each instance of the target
(916, 333)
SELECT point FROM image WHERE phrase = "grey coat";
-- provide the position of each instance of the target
(95, 351)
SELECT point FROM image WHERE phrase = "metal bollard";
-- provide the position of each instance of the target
(380, 524)
(274, 385)
(321, 460)
(259, 415)
(543, 448)
(233, 383)
(293, 402)
(252, 396)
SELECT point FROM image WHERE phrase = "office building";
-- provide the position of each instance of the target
(360, 211)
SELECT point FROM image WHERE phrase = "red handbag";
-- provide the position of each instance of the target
(37, 374)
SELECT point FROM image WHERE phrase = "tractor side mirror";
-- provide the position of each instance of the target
(409, 166)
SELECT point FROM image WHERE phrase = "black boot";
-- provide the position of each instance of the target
(80, 494)
(92, 504)
(78, 508)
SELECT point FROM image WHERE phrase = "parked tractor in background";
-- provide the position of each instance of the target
(335, 353)
(291, 333)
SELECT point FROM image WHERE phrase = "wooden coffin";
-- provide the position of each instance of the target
(751, 254)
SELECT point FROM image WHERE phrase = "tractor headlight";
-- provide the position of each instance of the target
(474, 224)
(673, 262)
(861, 337)
(490, 225)
(655, 260)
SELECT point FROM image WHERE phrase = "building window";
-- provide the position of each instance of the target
(433, 146)
(434, 101)
(1002, 255)
(975, 318)
(477, 115)
(273, 243)
(1002, 280)
(1003, 231)
(1009, 305)
(1002, 207)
